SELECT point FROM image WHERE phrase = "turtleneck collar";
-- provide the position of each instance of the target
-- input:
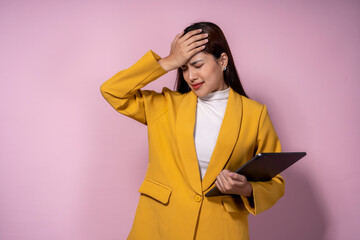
(218, 95)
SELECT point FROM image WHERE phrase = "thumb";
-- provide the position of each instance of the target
(238, 177)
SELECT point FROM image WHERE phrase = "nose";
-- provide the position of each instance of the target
(192, 75)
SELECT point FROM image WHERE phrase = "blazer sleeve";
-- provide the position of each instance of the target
(122, 91)
(265, 194)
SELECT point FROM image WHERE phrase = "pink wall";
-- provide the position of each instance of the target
(70, 166)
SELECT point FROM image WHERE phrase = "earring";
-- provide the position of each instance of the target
(225, 68)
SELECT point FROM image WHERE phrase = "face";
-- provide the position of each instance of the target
(204, 74)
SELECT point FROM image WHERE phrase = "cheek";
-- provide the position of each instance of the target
(211, 75)
(185, 76)
(218, 74)
(186, 79)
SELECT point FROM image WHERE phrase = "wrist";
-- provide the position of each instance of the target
(250, 193)
(166, 64)
(247, 191)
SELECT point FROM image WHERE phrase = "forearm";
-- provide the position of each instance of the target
(128, 81)
(123, 93)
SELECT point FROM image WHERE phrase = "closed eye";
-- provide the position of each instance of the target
(183, 68)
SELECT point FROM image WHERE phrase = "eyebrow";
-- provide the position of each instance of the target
(193, 63)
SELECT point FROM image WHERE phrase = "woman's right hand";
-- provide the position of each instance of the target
(183, 47)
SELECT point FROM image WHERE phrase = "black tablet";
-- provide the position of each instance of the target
(263, 167)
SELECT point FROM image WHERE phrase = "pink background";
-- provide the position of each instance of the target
(71, 166)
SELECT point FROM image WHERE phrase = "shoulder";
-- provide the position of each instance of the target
(245, 101)
(250, 102)
(173, 95)
(165, 92)
(163, 99)
(170, 92)
(252, 105)
(253, 111)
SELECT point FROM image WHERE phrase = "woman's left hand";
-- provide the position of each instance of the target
(233, 183)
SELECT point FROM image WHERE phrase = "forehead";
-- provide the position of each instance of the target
(200, 56)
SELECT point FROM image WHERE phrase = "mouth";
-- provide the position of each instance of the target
(197, 85)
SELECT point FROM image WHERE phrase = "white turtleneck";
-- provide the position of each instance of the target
(210, 112)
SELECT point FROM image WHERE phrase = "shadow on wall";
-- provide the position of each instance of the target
(297, 216)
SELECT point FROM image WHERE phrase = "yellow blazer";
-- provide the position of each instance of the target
(172, 204)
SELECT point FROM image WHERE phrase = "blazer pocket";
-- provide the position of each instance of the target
(234, 205)
(155, 190)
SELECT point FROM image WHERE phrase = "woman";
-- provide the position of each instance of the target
(197, 136)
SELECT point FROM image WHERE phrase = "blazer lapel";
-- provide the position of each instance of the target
(185, 123)
(227, 139)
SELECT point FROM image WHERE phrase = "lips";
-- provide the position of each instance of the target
(197, 85)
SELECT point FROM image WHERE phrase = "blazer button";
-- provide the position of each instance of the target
(198, 198)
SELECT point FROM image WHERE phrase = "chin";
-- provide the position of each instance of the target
(200, 94)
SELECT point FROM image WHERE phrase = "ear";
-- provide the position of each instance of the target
(223, 60)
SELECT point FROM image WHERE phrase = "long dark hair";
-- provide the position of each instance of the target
(216, 46)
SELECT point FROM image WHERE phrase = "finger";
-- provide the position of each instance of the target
(196, 39)
(238, 177)
(191, 33)
(197, 44)
(232, 182)
(227, 183)
(239, 182)
(196, 51)
(179, 35)
(219, 184)
(223, 176)
(226, 173)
